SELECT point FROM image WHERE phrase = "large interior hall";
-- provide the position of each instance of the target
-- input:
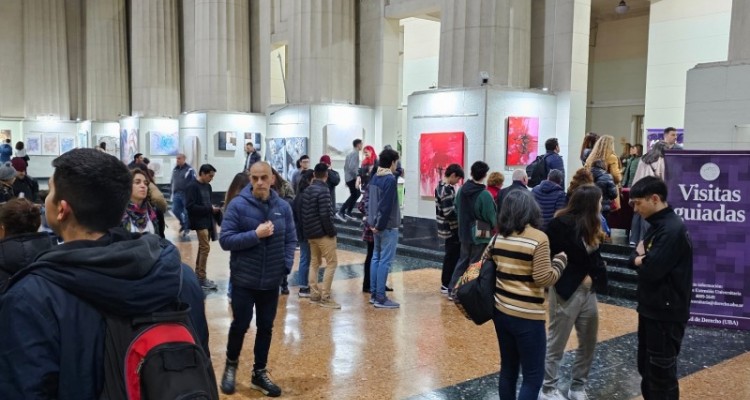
(194, 82)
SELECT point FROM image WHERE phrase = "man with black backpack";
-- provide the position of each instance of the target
(538, 170)
(103, 303)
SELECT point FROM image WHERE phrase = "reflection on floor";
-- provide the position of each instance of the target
(428, 350)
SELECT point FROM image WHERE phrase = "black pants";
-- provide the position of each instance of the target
(452, 252)
(265, 302)
(368, 260)
(352, 200)
(658, 347)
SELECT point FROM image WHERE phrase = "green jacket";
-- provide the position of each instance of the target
(484, 209)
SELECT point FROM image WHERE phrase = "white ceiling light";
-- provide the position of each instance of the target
(622, 8)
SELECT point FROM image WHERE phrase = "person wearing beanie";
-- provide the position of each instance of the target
(333, 180)
(7, 177)
(23, 182)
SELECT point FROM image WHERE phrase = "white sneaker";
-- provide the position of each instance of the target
(552, 395)
(578, 394)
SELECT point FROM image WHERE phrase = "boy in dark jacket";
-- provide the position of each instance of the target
(55, 349)
(303, 271)
(317, 224)
(447, 222)
(606, 184)
(258, 230)
(550, 195)
(664, 261)
(201, 215)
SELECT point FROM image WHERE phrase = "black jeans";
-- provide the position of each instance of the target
(368, 260)
(243, 300)
(354, 193)
(452, 252)
(659, 345)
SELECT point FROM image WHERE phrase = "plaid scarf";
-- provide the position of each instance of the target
(139, 215)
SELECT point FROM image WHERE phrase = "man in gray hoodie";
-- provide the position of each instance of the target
(351, 167)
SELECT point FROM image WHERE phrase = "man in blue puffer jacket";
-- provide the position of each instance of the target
(258, 229)
(550, 195)
(53, 337)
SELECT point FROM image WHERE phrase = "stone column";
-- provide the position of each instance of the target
(560, 59)
(11, 63)
(216, 55)
(378, 71)
(45, 59)
(321, 60)
(107, 87)
(155, 58)
(739, 45)
(491, 36)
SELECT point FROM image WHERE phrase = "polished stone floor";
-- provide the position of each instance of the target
(428, 350)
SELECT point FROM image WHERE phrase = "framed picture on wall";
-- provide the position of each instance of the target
(522, 141)
(255, 139)
(83, 139)
(191, 147)
(276, 154)
(339, 138)
(436, 152)
(157, 165)
(227, 141)
(66, 143)
(5, 134)
(163, 143)
(50, 144)
(112, 144)
(295, 148)
(128, 144)
(34, 144)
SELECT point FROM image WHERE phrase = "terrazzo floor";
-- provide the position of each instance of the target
(428, 350)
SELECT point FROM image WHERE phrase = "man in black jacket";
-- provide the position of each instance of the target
(55, 306)
(317, 224)
(201, 214)
(664, 261)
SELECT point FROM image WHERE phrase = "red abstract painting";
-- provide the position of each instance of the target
(523, 141)
(436, 152)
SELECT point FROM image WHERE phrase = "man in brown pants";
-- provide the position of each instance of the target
(317, 222)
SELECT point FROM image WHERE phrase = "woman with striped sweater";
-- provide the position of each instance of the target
(524, 268)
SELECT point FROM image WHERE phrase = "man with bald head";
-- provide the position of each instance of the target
(258, 230)
(182, 175)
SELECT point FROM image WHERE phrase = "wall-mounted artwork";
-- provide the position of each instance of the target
(523, 141)
(163, 143)
(339, 138)
(83, 139)
(50, 144)
(66, 143)
(436, 152)
(191, 147)
(4, 134)
(276, 154)
(157, 165)
(655, 135)
(33, 144)
(295, 148)
(254, 138)
(228, 141)
(128, 144)
(112, 144)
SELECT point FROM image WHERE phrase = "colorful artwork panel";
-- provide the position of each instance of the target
(436, 152)
(164, 143)
(523, 141)
(295, 148)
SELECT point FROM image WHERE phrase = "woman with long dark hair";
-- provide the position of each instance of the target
(521, 253)
(140, 215)
(576, 230)
(588, 144)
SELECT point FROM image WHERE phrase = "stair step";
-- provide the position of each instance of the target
(620, 274)
(623, 290)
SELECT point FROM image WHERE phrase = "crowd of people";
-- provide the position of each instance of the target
(106, 254)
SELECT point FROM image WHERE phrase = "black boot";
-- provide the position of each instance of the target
(229, 377)
(262, 382)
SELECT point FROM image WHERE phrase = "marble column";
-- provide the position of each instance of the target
(739, 45)
(321, 60)
(155, 58)
(491, 36)
(11, 63)
(216, 55)
(559, 62)
(45, 59)
(107, 86)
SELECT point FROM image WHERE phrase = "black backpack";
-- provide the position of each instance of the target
(156, 357)
(537, 171)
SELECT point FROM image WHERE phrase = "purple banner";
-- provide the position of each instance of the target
(710, 190)
(655, 135)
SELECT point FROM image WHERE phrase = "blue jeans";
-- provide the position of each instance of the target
(178, 209)
(382, 258)
(304, 263)
(243, 300)
(522, 346)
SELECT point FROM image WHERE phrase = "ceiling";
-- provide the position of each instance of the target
(602, 10)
